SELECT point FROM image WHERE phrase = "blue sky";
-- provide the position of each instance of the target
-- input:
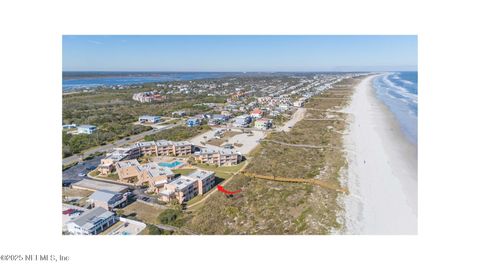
(239, 53)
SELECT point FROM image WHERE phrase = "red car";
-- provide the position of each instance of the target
(68, 211)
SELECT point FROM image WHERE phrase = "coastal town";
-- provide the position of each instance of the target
(117, 189)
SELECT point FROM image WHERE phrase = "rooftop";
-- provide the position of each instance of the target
(99, 185)
(145, 144)
(166, 192)
(128, 163)
(214, 151)
(257, 111)
(155, 170)
(200, 174)
(103, 195)
(119, 154)
(91, 217)
(182, 182)
(168, 143)
(264, 120)
(87, 126)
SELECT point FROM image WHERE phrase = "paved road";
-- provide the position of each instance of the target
(109, 147)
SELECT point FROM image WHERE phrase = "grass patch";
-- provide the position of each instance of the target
(68, 166)
(112, 176)
(73, 192)
(143, 212)
(183, 171)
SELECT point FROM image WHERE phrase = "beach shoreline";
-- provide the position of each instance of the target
(382, 168)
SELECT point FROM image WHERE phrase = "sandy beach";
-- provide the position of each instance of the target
(382, 169)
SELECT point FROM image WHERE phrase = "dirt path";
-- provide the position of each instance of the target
(297, 116)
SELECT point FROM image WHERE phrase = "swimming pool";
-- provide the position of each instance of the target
(171, 164)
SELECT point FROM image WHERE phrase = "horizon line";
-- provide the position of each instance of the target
(213, 71)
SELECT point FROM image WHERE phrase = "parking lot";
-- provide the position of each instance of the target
(248, 141)
(76, 172)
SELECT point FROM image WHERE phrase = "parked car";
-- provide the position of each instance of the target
(228, 146)
(82, 174)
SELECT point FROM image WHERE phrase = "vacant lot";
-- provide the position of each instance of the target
(266, 207)
(73, 192)
(142, 212)
(223, 172)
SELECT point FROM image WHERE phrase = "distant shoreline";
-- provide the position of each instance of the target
(77, 81)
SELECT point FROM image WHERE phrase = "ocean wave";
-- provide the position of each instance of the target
(399, 89)
(401, 100)
(407, 82)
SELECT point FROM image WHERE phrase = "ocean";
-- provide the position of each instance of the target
(89, 80)
(399, 92)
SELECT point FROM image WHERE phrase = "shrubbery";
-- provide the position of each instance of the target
(169, 216)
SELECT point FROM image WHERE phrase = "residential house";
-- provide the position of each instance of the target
(227, 114)
(149, 119)
(222, 118)
(107, 199)
(242, 121)
(299, 103)
(86, 129)
(146, 97)
(92, 222)
(193, 122)
(69, 126)
(263, 123)
(179, 113)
